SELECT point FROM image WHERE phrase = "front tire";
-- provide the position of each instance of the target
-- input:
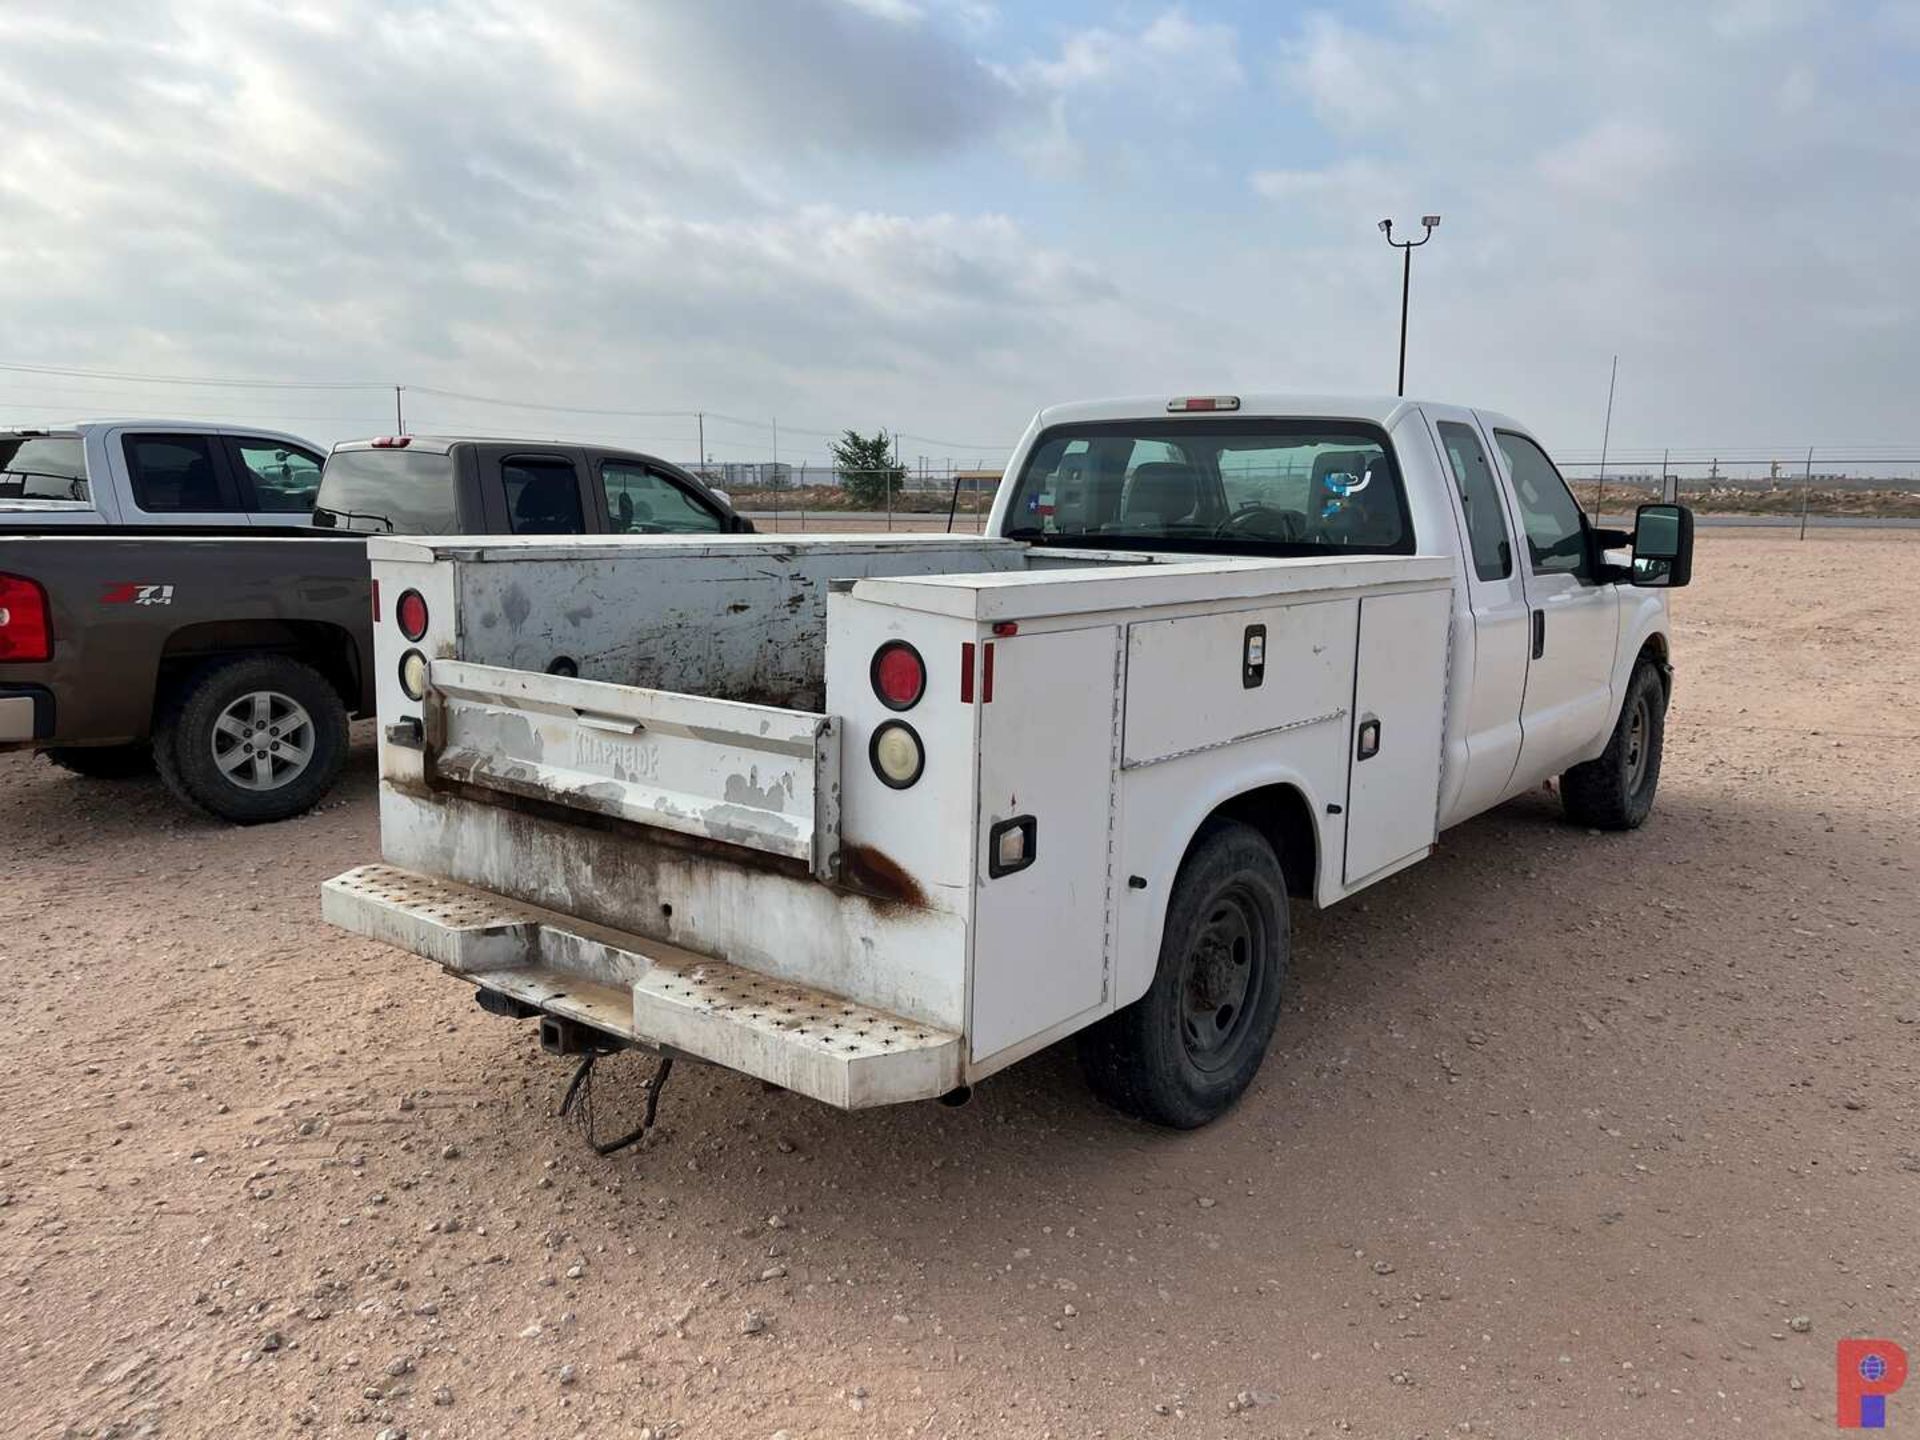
(254, 739)
(1616, 790)
(103, 762)
(1184, 1052)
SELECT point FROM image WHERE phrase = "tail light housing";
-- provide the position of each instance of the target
(26, 631)
(899, 675)
(410, 613)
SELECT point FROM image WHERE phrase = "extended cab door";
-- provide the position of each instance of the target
(1496, 678)
(174, 478)
(1574, 616)
(535, 490)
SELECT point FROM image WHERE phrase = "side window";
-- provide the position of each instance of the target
(644, 502)
(284, 478)
(543, 496)
(1556, 530)
(175, 474)
(1480, 499)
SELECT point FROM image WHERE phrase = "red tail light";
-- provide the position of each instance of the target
(410, 612)
(392, 442)
(899, 675)
(26, 635)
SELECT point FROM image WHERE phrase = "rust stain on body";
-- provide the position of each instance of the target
(877, 873)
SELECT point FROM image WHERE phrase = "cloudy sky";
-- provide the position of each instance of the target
(937, 215)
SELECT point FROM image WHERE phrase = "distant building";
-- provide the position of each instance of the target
(976, 482)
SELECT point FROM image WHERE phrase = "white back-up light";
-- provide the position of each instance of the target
(1182, 404)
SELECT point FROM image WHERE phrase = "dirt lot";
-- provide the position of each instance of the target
(1564, 1135)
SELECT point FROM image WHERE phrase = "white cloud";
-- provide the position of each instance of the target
(592, 204)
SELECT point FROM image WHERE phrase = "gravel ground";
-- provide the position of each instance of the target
(1564, 1135)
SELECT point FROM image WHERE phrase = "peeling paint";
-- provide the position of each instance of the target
(747, 790)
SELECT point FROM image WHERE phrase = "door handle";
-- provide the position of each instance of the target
(1539, 633)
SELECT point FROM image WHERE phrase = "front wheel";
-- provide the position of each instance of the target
(258, 738)
(1615, 791)
(1186, 1050)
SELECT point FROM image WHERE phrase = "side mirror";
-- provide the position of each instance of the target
(1662, 546)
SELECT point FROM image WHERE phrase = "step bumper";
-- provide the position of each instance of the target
(810, 1041)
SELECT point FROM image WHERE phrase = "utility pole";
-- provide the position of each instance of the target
(399, 420)
(1606, 431)
(1406, 248)
(1806, 487)
(700, 466)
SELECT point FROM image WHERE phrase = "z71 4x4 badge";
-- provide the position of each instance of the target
(131, 592)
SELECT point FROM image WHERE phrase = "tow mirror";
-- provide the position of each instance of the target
(1663, 546)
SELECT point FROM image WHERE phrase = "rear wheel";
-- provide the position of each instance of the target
(1185, 1051)
(103, 762)
(259, 738)
(1616, 790)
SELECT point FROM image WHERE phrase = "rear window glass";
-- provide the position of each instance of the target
(1296, 487)
(43, 467)
(403, 492)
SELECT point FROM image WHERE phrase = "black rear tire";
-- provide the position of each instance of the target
(1616, 790)
(103, 762)
(1184, 1052)
(252, 739)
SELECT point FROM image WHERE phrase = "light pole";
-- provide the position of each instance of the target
(1407, 247)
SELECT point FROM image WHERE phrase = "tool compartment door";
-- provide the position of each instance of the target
(1048, 753)
(1399, 711)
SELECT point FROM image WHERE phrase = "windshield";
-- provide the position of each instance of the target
(1292, 487)
(43, 467)
(404, 492)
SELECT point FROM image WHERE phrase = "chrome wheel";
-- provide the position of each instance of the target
(1221, 981)
(1639, 727)
(263, 740)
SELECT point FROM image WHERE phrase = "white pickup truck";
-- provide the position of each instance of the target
(873, 817)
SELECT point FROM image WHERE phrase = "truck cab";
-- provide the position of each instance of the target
(448, 485)
(874, 817)
(1546, 630)
(171, 474)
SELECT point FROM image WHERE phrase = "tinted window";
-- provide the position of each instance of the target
(543, 497)
(285, 479)
(1293, 486)
(43, 467)
(408, 492)
(1556, 530)
(1480, 499)
(174, 474)
(641, 501)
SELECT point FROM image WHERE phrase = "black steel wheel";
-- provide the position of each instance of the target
(1185, 1051)
(1616, 790)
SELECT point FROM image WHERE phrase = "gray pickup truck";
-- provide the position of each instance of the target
(232, 658)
